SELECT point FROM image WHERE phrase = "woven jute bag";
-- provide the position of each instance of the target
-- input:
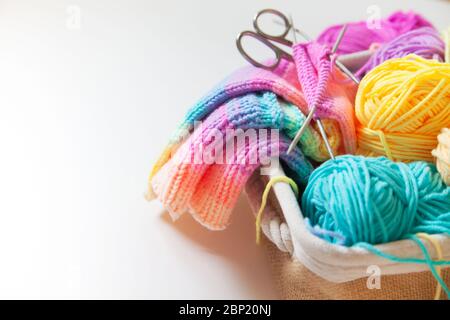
(306, 267)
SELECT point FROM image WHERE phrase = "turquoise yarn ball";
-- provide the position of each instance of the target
(355, 199)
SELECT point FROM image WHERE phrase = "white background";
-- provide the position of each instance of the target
(84, 113)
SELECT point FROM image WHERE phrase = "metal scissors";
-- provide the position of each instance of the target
(267, 39)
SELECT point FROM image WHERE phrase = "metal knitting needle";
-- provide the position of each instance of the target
(314, 107)
(294, 34)
(300, 32)
(339, 64)
(303, 128)
(299, 133)
(339, 39)
(325, 138)
(347, 72)
(310, 115)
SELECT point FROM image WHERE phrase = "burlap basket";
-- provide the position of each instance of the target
(307, 267)
(295, 281)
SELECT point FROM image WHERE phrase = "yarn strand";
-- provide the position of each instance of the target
(437, 247)
(265, 195)
(427, 260)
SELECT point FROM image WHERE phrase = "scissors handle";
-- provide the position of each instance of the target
(279, 53)
(280, 38)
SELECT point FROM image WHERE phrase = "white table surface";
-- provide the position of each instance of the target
(86, 106)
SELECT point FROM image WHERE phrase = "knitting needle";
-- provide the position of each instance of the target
(303, 128)
(347, 72)
(299, 133)
(313, 109)
(300, 32)
(339, 39)
(338, 63)
(319, 123)
(355, 60)
(308, 118)
(294, 33)
(325, 138)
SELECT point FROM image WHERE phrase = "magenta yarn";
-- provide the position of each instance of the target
(425, 42)
(360, 37)
(314, 70)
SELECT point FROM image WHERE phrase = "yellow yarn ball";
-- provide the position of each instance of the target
(442, 154)
(401, 106)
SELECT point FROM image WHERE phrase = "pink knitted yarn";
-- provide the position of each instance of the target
(332, 100)
(314, 69)
(360, 36)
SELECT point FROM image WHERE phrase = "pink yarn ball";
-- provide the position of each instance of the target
(361, 35)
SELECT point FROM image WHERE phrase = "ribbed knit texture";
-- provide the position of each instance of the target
(283, 82)
(177, 185)
(315, 72)
(219, 188)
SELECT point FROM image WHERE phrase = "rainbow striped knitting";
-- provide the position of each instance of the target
(283, 82)
(219, 189)
(210, 189)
